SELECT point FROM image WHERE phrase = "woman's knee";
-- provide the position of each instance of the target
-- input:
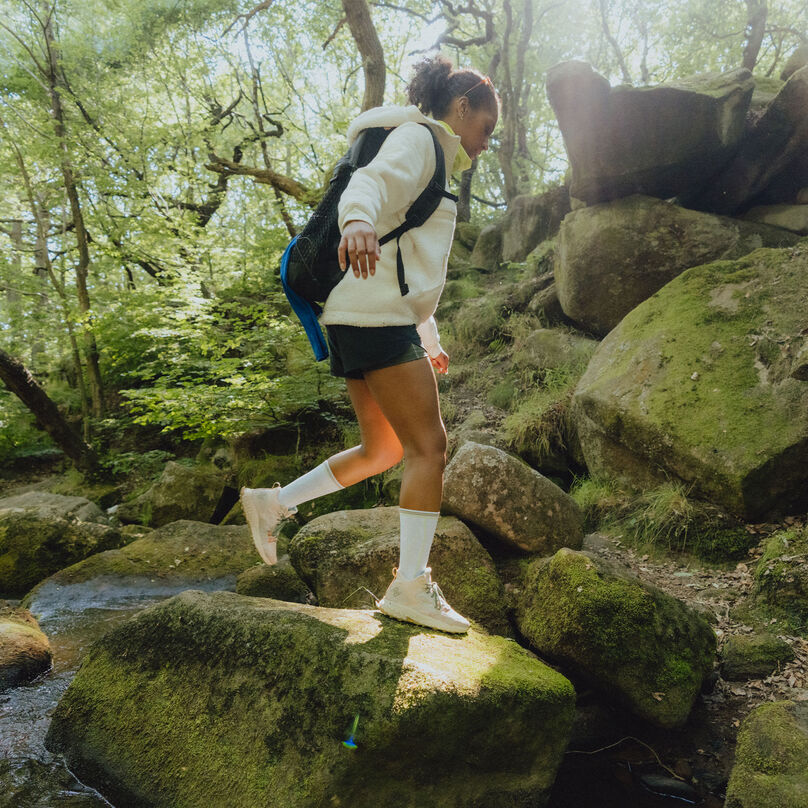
(383, 456)
(429, 446)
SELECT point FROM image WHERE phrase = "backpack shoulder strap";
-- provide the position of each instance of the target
(422, 208)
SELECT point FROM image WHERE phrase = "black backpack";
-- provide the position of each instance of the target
(312, 265)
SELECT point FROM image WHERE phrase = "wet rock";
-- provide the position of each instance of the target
(279, 581)
(753, 656)
(789, 217)
(24, 649)
(657, 141)
(32, 547)
(774, 141)
(179, 554)
(45, 505)
(439, 720)
(505, 497)
(342, 554)
(633, 642)
(771, 758)
(696, 383)
(530, 220)
(612, 257)
(180, 493)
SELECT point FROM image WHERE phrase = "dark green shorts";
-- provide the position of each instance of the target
(356, 349)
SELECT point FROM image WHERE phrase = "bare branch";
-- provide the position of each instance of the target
(266, 176)
(335, 32)
(248, 16)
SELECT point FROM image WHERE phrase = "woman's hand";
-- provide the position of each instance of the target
(440, 362)
(360, 243)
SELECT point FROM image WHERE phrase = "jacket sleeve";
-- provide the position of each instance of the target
(428, 332)
(392, 180)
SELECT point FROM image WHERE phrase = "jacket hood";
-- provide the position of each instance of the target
(395, 115)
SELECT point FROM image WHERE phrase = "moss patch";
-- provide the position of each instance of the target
(629, 639)
(686, 383)
(266, 693)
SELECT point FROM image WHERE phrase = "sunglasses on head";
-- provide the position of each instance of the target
(484, 80)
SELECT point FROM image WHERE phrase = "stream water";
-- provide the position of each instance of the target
(72, 618)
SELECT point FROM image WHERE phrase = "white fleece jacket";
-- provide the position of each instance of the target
(380, 194)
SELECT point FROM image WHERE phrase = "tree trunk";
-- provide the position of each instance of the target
(756, 28)
(82, 241)
(464, 193)
(367, 40)
(18, 379)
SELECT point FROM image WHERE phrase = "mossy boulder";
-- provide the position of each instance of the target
(753, 656)
(613, 256)
(24, 649)
(182, 492)
(503, 496)
(530, 220)
(279, 581)
(342, 554)
(771, 758)
(177, 555)
(638, 645)
(46, 505)
(487, 252)
(658, 140)
(789, 217)
(467, 234)
(552, 348)
(33, 547)
(541, 259)
(697, 383)
(781, 577)
(222, 699)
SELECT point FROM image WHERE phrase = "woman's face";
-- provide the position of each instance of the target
(474, 126)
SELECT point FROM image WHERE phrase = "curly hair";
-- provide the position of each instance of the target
(435, 84)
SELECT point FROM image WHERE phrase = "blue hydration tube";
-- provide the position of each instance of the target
(306, 312)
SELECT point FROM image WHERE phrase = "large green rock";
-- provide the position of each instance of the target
(613, 256)
(46, 505)
(222, 699)
(698, 383)
(344, 554)
(182, 492)
(658, 141)
(33, 547)
(638, 645)
(789, 217)
(177, 555)
(487, 252)
(771, 759)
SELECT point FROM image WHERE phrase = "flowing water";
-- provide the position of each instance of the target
(72, 618)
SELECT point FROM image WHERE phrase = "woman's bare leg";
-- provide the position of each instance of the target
(407, 397)
(380, 448)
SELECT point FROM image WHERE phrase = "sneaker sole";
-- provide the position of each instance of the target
(405, 617)
(254, 523)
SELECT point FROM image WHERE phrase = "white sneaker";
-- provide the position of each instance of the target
(421, 601)
(263, 511)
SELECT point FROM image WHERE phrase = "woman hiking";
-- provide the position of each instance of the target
(386, 344)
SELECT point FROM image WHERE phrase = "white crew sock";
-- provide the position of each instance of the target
(417, 532)
(315, 483)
